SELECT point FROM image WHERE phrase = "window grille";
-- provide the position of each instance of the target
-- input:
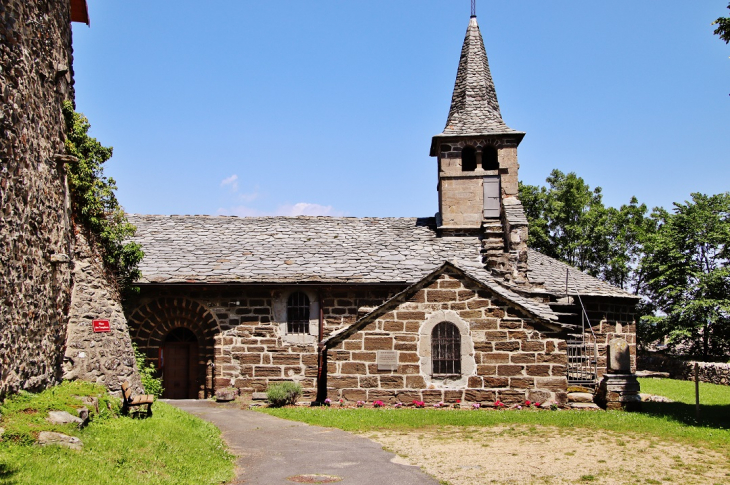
(297, 313)
(446, 349)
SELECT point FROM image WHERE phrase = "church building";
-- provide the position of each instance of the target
(444, 308)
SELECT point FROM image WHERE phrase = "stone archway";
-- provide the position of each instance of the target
(152, 323)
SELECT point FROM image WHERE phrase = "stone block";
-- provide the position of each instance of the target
(538, 370)
(522, 358)
(495, 358)
(484, 324)
(521, 382)
(226, 394)
(496, 382)
(533, 346)
(408, 358)
(265, 371)
(352, 344)
(409, 369)
(391, 382)
(415, 382)
(441, 296)
(486, 369)
(364, 356)
(342, 382)
(378, 343)
(410, 315)
(286, 359)
(552, 383)
(393, 326)
(63, 417)
(507, 370)
(453, 395)
(431, 396)
(496, 335)
(354, 395)
(388, 397)
(507, 346)
(479, 395)
(368, 382)
(510, 396)
(538, 395)
(407, 397)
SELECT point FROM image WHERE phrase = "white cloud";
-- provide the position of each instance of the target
(298, 209)
(307, 209)
(251, 196)
(232, 181)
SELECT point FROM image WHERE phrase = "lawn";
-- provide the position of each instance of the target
(171, 447)
(670, 421)
(662, 444)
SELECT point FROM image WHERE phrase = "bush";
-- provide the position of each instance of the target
(283, 393)
(152, 385)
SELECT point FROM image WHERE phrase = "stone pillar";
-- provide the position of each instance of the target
(619, 388)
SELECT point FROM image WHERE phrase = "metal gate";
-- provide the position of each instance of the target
(582, 361)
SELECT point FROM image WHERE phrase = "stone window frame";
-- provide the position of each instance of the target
(468, 363)
(280, 300)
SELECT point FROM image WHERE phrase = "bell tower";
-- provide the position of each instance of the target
(477, 167)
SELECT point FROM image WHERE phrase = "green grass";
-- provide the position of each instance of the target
(171, 447)
(670, 421)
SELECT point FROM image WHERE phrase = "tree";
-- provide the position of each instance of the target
(569, 222)
(723, 27)
(687, 275)
(94, 202)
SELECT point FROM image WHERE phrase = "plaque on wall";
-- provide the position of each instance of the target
(387, 360)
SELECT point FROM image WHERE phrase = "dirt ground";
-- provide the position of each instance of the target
(547, 455)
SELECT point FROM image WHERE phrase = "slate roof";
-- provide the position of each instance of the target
(221, 249)
(474, 106)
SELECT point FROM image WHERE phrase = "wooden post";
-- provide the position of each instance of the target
(697, 392)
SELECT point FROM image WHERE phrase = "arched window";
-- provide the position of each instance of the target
(468, 159)
(490, 161)
(297, 313)
(446, 349)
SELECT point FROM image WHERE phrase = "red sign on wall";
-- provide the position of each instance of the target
(101, 326)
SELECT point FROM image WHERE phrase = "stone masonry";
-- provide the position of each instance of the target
(105, 358)
(35, 233)
(506, 355)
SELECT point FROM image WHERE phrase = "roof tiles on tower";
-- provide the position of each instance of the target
(474, 106)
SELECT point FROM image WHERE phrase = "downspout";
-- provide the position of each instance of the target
(321, 359)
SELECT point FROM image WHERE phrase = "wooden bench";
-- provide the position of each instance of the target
(129, 401)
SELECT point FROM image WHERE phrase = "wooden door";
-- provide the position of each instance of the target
(178, 377)
(492, 197)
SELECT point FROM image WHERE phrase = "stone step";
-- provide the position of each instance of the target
(584, 405)
(583, 397)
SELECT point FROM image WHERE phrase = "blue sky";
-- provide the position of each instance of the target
(328, 107)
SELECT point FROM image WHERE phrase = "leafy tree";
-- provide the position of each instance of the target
(569, 222)
(687, 275)
(94, 202)
(723, 27)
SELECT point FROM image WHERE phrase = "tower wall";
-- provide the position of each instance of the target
(35, 233)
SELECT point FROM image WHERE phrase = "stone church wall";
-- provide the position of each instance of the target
(35, 233)
(105, 358)
(239, 330)
(504, 356)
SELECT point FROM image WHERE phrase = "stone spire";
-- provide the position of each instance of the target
(474, 107)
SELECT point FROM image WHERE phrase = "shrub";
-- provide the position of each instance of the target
(152, 385)
(283, 393)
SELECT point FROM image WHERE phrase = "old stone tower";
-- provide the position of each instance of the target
(477, 167)
(53, 282)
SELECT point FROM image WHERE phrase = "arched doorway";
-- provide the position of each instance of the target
(179, 364)
(152, 322)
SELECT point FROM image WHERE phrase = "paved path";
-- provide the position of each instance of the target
(270, 449)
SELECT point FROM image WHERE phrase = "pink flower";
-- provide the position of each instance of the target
(527, 403)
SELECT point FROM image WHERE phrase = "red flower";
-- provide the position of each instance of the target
(458, 401)
(537, 404)
(527, 403)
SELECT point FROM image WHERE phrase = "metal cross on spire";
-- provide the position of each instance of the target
(473, 8)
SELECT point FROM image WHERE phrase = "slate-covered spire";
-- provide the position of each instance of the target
(474, 107)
